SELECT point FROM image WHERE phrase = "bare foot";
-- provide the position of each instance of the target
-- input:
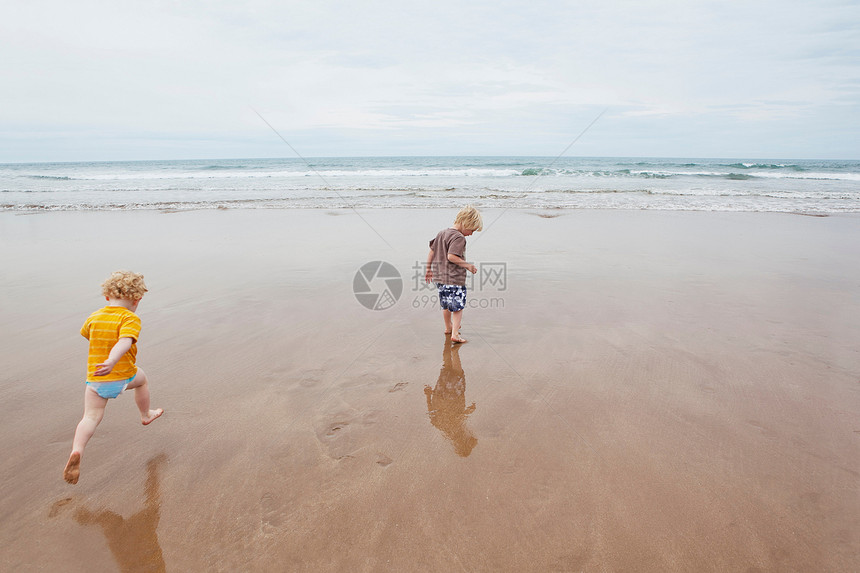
(458, 339)
(73, 468)
(153, 414)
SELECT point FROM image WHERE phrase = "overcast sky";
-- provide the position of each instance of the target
(85, 80)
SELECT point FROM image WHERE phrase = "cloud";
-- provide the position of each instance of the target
(511, 77)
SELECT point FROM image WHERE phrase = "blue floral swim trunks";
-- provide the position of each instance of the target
(452, 297)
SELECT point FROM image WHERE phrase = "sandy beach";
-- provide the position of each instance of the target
(641, 391)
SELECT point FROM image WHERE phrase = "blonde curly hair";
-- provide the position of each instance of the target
(470, 218)
(124, 285)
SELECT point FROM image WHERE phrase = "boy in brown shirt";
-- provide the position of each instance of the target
(447, 266)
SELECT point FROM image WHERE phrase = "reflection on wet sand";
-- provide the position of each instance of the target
(446, 403)
(133, 541)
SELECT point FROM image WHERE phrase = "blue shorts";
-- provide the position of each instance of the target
(110, 389)
(452, 297)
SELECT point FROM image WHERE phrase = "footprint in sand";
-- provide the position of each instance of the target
(335, 428)
(337, 439)
(271, 514)
(576, 561)
(310, 378)
(347, 434)
(59, 506)
(766, 432)
(399, 386)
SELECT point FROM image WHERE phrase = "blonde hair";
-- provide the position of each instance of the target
(469, 218)
(124, 285)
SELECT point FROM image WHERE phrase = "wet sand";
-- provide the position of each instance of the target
(644, 391)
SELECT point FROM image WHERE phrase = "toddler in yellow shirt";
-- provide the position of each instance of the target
(112, 332)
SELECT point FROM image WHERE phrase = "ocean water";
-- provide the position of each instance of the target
(796, 186)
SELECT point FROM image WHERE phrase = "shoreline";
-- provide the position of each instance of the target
(552, 209)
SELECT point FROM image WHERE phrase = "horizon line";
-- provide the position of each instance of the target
(280, 158)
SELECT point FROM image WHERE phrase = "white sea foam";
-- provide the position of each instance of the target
(432, 182)
(819, 175)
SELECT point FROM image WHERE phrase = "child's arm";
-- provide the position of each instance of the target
(461, 263)
(119, 349)
(428, 274)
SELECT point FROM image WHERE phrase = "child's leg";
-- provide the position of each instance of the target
(141, 398)
(446, 316)
(94, 411)
(456, 320)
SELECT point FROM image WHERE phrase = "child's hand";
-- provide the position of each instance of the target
(428, 276)
(119, 349)
(472, 269)
(104, 368)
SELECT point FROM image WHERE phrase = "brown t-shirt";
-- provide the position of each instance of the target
(448, 241)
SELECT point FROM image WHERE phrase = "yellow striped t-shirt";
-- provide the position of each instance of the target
(103, 329)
